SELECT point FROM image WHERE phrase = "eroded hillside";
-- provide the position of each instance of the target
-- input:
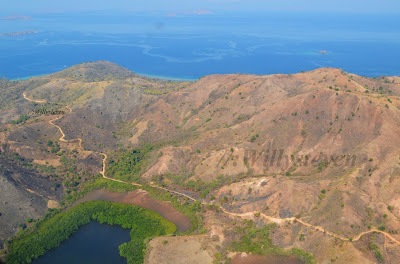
(319, 146)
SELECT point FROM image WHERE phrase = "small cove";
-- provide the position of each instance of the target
(98, 243)
(92, 243)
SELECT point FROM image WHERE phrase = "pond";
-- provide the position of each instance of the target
(92, 243)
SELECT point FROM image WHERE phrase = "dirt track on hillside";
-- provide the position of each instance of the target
(272, 219)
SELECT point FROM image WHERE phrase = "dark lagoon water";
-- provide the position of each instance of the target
(93, 243)
(191, 46)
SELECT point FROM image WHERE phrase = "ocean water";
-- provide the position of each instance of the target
(191, 46)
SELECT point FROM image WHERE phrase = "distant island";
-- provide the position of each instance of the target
(18, 33)
(16, 17)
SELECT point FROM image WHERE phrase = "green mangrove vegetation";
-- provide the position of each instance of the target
(128, 164)
(191, 210)
(58, 226)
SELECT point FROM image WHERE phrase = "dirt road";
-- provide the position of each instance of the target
(248, 214)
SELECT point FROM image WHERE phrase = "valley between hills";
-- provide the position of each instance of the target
(314, 155)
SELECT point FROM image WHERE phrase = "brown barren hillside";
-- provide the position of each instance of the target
(321, 146)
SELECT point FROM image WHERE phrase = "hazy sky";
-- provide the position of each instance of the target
(373, 6)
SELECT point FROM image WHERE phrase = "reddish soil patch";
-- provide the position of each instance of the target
(141, 198)
(258, 259)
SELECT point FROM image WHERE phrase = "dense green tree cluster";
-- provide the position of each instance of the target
(55, 147)
(128, 164)
(255, 240)
(59, 226)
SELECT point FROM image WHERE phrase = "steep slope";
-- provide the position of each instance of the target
(322, 146)
(24, 194)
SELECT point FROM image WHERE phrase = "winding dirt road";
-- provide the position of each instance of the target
(248, 214)
(42, 101)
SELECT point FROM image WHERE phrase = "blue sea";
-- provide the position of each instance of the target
(189, 46)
